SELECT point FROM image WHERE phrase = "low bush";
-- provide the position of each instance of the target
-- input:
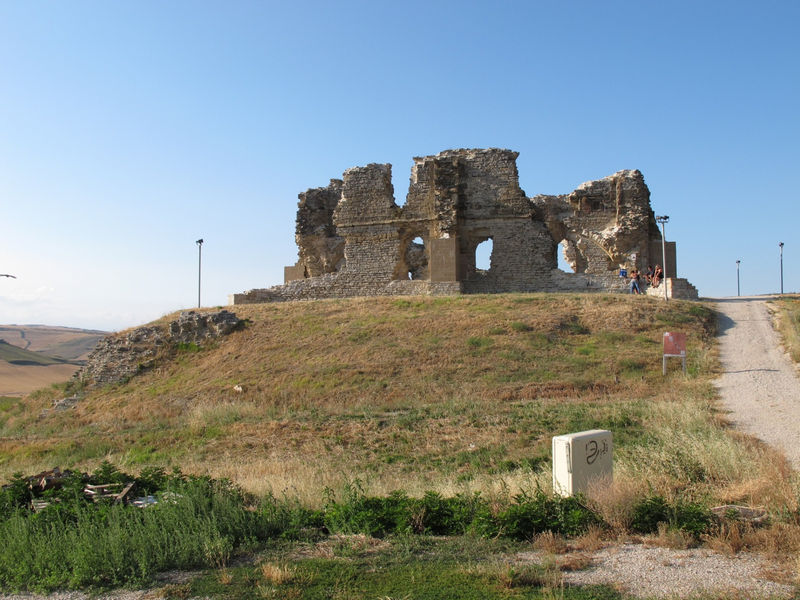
(536, 513)
(73, 543)
(691, 517)
(524, 517)
(202, 522)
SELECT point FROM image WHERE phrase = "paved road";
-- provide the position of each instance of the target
(759, 385)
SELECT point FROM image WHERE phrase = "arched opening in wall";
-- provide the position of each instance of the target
(561, 255)
(417, 259)
(483, 255)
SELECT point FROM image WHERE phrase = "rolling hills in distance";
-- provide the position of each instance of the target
(35, 356)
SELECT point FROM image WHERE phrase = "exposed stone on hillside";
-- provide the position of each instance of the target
(119, 356)
(194, 327)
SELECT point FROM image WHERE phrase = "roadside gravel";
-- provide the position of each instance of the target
(759, 385)
(646, 572)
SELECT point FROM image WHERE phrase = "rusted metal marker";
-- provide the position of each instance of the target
(674, 345)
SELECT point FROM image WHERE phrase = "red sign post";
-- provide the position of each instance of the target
(674, 345)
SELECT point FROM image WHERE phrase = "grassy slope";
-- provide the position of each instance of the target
(18, 356)
(788, 322)
(456, 393)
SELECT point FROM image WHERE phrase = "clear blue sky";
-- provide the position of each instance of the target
(130, 129)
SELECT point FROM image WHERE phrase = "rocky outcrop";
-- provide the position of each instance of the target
(120, 356)
(193, 327)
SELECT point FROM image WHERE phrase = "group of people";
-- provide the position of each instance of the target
(653, 278)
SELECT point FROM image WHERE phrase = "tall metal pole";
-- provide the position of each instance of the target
(738, 289)
(781, 246)
(662, 220)
(199, 265)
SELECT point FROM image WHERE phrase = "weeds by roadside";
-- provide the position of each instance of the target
(788, 321)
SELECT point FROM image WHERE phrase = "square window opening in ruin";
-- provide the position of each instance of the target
(416, 258)
(483, 255)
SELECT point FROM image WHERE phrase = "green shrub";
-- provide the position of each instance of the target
(479, 342)
(374, 516)
(76, 544)
(691, 517)
(187, 347)
(435, 515)
(526, 516)
(287, 519)
(14, 495)
(538, 512)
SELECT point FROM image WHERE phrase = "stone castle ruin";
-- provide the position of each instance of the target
(354, 240)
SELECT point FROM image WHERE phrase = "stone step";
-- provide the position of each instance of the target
(677, 287)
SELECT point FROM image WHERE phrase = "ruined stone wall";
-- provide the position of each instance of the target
(354, 240)
(119, 356)
(320, 247)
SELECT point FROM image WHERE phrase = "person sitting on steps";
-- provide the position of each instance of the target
(657, 275)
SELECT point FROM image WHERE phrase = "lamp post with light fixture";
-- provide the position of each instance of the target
(199, 263)
(781, 247)
(738, 289)
(661, 220)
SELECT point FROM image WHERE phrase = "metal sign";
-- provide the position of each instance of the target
(674, 345)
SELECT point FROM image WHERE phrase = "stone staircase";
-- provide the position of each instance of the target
(677, 287)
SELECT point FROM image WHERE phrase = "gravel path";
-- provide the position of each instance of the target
(664, 573)
(759, 385)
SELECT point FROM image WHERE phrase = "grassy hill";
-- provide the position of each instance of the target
(66, 343)
(34, 356)
(18, 356)
(456, 393)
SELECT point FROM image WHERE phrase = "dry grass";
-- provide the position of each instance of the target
(614, 502)
(550, 542)
(591, 541)
(455, 394)
(574, 561)
(277, 574)
(788, 324)
(675, 539)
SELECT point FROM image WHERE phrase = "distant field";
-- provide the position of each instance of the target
(36, 356)
(60, 342)
(18, 380)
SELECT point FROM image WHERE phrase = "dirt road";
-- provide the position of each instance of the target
(759, 385)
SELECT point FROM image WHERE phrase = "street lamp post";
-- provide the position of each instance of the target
(199, 264)
(662, 220)
(781, 247)
(738, 289)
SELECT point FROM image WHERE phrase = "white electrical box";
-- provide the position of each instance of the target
(579, 458)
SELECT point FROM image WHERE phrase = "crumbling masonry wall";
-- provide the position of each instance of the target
(354, 240)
